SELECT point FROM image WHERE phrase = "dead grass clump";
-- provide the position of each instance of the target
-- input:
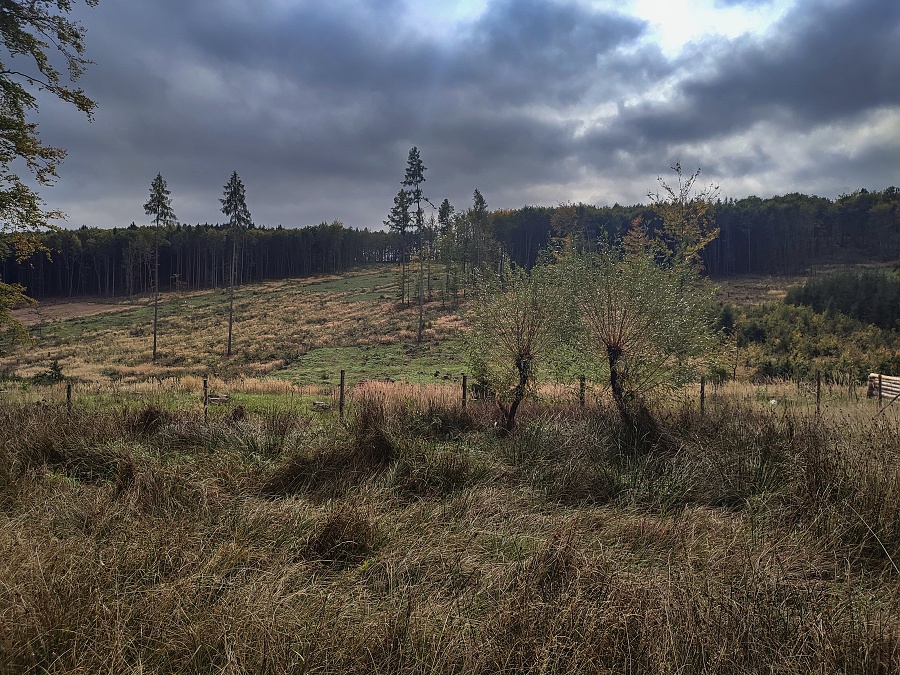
(346, 536)
(147, 421)
(328, 467)
(425, 472)
(373, 426)
(76, 443)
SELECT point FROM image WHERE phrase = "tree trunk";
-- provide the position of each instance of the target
(614, 353)
(155, 285)
(231, 293)
(421, 296)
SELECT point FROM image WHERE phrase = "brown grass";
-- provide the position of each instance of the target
(275, 323)
(416, 538)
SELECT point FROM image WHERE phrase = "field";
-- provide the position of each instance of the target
(270, 537)
(302, 331)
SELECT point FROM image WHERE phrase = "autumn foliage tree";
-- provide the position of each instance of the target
(29, 31)
(687, 215)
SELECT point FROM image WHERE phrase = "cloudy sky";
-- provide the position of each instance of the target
(316, 103)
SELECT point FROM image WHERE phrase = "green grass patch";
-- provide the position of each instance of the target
(420, 364)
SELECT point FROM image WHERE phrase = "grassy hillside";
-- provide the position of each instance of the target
(304, 331)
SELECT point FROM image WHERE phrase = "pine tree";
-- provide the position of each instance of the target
(445, 230)
(160, 206)
(415, 176)
(234, 206)
(399, 221)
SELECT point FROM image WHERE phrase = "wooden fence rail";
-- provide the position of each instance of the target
(883, 386)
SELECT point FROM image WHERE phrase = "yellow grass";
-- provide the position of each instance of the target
(274, 323)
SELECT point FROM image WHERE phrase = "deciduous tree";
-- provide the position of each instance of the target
(642, 322)
(511, 336)
(688, 220)
(29, 30)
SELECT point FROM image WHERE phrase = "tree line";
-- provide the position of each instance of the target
(777, 235)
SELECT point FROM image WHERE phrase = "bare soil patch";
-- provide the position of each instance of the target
(61, 311)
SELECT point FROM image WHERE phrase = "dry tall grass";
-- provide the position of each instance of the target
(417, 539)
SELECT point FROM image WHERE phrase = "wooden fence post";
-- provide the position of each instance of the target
(69, 396)
(818, 391)
(702, 395)
(205, 399)
(465, 385)
(341, 399)
(879, 390)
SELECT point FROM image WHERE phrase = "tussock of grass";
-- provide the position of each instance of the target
(415, 538)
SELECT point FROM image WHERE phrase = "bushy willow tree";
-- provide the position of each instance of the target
(641, 323)
(512, 336)
(635, 314)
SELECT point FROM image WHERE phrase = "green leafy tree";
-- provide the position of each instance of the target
(645, 324)
(512, 336)
(234, 206)
(29, 29)
(160, 207)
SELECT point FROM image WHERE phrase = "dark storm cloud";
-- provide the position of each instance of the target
(825, 62)
(310, 96)
(317, 104)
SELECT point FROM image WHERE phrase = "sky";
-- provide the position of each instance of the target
(316, 104)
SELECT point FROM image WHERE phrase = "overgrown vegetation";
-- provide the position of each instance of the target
(415, 539)
(869, 296)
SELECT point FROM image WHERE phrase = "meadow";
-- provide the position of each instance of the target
(272, 537)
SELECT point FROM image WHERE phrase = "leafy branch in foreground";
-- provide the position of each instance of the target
(28, 30)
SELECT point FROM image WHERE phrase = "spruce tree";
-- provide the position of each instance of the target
(399, 221)
(160, 207)
(415, 176)
(234, 206)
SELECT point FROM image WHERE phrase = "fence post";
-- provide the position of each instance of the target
(465, 385)
(205, 399)
(879, 390)
(581, 385)
(818, 391)
(702, 395)
(341, 399)
(69, 396)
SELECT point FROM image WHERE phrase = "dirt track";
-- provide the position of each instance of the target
(61, 311)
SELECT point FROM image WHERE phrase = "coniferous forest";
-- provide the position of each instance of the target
(778, 235)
